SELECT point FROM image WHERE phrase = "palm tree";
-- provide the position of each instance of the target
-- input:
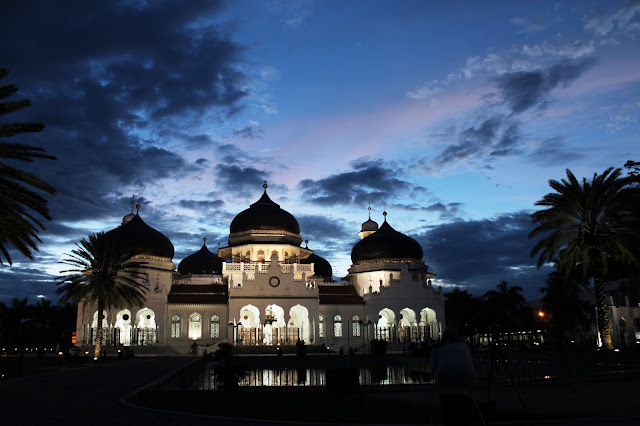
(104, 275)
(505, 302)
(19, 203)
(587, 226)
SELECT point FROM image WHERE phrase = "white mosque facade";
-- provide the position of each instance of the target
(265, 289)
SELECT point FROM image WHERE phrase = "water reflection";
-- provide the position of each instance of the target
(390, 375)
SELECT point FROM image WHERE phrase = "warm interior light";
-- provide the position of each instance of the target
(540, 314)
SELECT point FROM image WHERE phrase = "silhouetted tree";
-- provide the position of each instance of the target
(104, 276)
(586, 226)
(566, 308)
(20, 203)
(504, 304)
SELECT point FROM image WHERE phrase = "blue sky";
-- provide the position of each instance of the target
(452, 115)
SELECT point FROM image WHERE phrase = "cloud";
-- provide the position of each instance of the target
(528, 26)
(242, 179)
(554, 151)
(116, 102)
(371, 181)
(602, 24)
(478, 254)
(524, 90)
(249, 132)
(201, 205)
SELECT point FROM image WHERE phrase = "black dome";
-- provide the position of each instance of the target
(386, 244)
(321, 266)
(264, 215)
(201, 262)
(142, 239)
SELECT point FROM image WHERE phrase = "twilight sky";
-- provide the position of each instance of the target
(452, 114)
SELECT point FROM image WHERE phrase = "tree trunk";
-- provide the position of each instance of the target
(604, 325)
(96, 351)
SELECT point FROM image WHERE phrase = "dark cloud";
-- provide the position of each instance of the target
(249, 132)
(114, 84)
(554, 151)
(371, 182)
(478, 254)
(496, 136)
(201, 205)
(526, 89)
(20, 282)
(236, 178)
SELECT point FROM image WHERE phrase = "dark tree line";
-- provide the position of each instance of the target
(502, 309)
(40, 325)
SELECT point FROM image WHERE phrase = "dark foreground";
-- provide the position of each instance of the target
(95, 395)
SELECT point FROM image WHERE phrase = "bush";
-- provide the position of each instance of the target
(224, 351)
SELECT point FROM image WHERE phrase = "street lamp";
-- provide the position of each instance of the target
(235, 333)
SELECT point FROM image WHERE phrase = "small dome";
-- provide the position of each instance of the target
(386, 244)
(369, 225)
(127, 218)
(142, 239)
(321, 266)
(201, 262)
(264, 215)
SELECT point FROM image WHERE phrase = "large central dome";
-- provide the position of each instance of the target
(266, 219)
(134, 234)
(386, 244)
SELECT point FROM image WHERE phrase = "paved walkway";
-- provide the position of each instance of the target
(93, 396)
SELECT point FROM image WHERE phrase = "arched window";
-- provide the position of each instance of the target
(215, 326)
(195, 326)
(261, 256)
(321, 327)
(175, 327)
(337, 326)
(355, 326)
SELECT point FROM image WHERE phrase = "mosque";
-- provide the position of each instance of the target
(265, 289)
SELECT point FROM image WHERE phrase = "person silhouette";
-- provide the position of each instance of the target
(455, 378)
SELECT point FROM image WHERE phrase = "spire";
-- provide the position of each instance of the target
(265, 186)
(306, 243)
(384, 213)
(369, 210)
(138, 208)
(204, 241)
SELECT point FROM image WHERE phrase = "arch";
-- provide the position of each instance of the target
(355, 326)
(94, 322)
(261, 256)
(175, 326)
(337, 326)
(250, 320)
(215, 326)
(123, 327)
(428, 324)
(195, 326)
(408, 325)
(385, 325)
(146, 318)
(274, 325)
(321, 326)
(298, 327)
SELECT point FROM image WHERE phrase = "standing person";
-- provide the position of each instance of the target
(455, 378)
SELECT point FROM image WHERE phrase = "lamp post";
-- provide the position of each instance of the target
(365, 335)
(235, 333)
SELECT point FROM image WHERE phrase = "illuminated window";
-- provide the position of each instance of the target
(355, 325)
(321, 327)
(337, 326)
(215, 326)
(195, 326)
(175, 327)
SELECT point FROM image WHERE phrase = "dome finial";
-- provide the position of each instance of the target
(306, 243)
(204, 240)
(265, 186)
(384, 213)
(369, 210)
(138, 208)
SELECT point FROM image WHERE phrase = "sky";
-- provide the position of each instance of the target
(451, 116)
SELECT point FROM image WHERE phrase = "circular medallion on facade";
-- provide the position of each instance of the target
(274, 281)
